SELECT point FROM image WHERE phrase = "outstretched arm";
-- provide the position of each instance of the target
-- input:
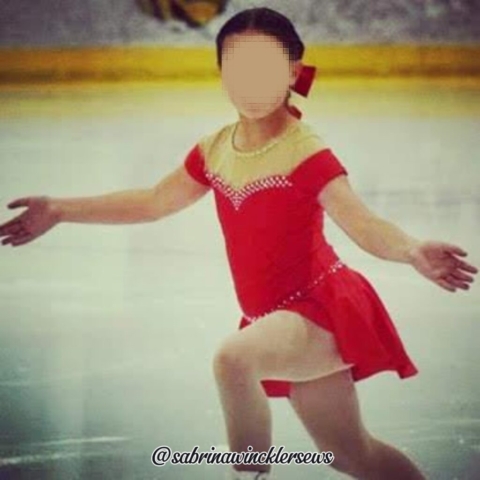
(173, 193)
(370, 232)
(375, 235)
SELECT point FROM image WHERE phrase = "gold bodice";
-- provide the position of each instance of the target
(278, 157)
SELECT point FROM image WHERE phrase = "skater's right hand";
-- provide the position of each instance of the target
(30, 224)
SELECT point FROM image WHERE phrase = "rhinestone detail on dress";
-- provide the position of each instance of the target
(269, 145)
(238, 196)
(299, 293)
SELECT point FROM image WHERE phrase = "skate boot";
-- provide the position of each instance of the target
(233, 474)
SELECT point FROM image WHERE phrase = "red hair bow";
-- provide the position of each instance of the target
(302, 86)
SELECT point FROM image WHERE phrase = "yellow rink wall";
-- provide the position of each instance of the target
(19, 65)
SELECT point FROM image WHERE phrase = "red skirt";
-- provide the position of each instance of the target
(346, 304)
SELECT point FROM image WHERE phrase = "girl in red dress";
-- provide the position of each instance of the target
(311, 325)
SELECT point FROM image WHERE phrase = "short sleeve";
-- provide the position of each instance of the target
(195, 165)
(318, 169)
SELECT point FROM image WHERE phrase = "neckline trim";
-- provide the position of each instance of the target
(270, 144)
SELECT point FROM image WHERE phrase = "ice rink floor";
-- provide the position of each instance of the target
(107, 332)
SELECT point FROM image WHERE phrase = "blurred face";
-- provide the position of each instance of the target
(256, 73)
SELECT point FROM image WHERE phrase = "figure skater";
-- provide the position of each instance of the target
(311, 326)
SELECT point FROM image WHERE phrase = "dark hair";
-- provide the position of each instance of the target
(264, 20)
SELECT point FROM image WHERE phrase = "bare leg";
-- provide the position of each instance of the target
(281, 345)
(329, 409)
(246, 410)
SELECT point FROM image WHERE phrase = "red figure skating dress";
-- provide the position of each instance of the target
(272, 222)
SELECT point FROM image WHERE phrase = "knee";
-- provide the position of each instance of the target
(231, 361)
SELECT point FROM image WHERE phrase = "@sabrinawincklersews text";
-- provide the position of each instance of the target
(163, 454)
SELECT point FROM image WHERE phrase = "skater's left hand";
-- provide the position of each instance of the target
(438, 262)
